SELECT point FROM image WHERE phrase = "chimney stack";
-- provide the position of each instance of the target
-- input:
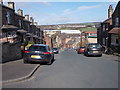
(27, 17)
(1, 2)
(35, 23)
(11, 5)
(110, 11)
(20, 12)
(32, 20)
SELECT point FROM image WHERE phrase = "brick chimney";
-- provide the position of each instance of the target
(1, 2)
(11, 5)
(27, 17)
(32, 20)
(20, 12)
(35, 23)
(110, 11)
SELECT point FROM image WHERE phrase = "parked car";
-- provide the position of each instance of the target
(80, 50)
(93, 49)
(38, 53)
(55, 50)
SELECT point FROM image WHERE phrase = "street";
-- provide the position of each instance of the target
(72, 70)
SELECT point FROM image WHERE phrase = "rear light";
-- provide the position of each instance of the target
(88, 46)
(46, 52)
(26, 51)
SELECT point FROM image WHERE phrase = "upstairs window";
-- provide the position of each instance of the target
(117, 21)
(20, 23)
(8, 17)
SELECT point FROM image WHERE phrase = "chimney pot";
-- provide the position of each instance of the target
(1, 2)
(32, 20)
(27, 17)
(35, 23)
(11, 5)
(110, 11)
(20, 12)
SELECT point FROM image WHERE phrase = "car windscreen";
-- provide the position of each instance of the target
(94, 46)
(38, 48)
(55, 49)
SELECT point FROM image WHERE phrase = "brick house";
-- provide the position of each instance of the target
(103, 37)
(91, 36)
(9, 29)
(115, 30)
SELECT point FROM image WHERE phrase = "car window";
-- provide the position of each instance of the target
(94, 46)
(38, 48)
(55, 49)
(49, 49)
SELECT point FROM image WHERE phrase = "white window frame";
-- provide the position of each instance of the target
(8, 17)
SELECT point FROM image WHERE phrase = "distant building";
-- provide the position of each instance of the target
(91, 36)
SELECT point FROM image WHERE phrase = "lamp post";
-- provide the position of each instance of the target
(81, 38)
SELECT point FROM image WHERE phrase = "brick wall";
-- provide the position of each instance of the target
(11, 51)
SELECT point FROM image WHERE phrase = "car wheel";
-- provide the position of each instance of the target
(87, 55)
(100, 55)
(25, 61)
(50, 62)
(53, 58)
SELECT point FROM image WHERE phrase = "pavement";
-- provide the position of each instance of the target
(15, 71)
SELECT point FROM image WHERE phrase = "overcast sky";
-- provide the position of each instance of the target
(47, 13)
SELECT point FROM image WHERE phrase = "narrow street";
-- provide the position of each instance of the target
(72, 70)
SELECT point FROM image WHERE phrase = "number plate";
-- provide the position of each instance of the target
(95, 51)
(35, 56)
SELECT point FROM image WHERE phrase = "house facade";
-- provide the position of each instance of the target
(109, 30)
(16, 31)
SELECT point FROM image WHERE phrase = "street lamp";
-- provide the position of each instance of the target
(80, 38)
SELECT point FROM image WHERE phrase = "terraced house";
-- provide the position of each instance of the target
(109, 30)
(17, 30)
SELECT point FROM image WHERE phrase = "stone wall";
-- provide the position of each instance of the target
(11, 51)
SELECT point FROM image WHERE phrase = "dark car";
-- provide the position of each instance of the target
(55, 50)
(38, 53)
(93, 49)
(80, 50)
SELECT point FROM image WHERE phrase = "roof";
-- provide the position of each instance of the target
(115, 30)
(7, 7)
(22, 31)
(93, 32)
(10, 27)
(18, 15)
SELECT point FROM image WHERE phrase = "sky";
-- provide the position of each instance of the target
(48, 13)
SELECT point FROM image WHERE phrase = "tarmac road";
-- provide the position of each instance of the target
(72, 70)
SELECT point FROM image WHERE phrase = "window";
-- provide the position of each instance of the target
(8, 34)
(37, 48)
(8, 17)
(103, 27)
(117, 21)
(20, 23)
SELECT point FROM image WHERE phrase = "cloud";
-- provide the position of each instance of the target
(87, 7)
(67, 11)
(46, 3)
